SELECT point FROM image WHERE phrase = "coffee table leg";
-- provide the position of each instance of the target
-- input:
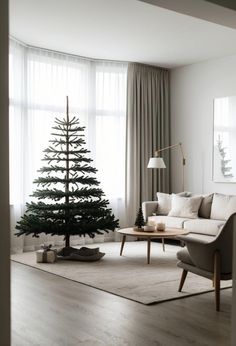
(122, 244)
(148, 249)
(163, 244)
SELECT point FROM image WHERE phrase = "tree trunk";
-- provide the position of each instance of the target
(67, 199)
(67, 238)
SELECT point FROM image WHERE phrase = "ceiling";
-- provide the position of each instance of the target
(125, 30)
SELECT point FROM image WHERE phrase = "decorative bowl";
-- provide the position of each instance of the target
(149, 228)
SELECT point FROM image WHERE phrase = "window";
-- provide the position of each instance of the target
(39, 83)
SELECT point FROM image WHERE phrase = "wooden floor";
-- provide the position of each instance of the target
(48, 310)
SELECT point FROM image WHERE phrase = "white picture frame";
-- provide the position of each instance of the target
(224, 140)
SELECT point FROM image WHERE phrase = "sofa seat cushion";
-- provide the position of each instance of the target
(202, 237)
(169, 221)
(204, 226)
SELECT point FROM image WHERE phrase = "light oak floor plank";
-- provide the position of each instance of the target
(50, 310)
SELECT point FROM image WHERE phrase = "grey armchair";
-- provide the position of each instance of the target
(209, 258)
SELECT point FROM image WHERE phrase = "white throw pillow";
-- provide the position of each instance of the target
(164, 203)
(185, 194)
(185, 206)
(231, 207)
(219, 206)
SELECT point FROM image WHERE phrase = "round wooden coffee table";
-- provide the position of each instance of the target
(168, 233)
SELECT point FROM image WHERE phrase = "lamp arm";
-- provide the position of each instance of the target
(182, 153)
(171, 147)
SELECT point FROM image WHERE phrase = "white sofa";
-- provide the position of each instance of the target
(199, 214)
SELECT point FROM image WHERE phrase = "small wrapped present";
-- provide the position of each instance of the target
(46, 254)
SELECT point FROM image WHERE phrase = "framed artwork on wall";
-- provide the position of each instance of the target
(224, 137)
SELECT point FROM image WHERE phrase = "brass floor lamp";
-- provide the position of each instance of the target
(158, 162)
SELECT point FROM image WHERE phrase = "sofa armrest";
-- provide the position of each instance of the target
(149, 208)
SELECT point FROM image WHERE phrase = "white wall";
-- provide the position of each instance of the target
(193, 89)
(4, 173)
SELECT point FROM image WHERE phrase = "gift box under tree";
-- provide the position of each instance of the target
(46, 254)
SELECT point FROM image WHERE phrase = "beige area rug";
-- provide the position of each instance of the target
(129, 276)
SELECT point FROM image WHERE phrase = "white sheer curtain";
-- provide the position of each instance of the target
(39, 82)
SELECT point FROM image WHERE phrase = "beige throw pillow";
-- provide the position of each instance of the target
(223, 206)
(185, 206)
(164, 203)
(205, 207)
(184, 194)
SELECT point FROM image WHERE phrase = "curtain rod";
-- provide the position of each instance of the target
(17, 40)
(83, 57)
(65, 54)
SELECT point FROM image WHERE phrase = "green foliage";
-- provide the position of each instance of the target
(73, 204)
(139, 222)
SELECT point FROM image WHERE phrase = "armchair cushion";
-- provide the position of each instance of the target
(184, 263)
(210, 258)
(183, 256)
(201, 251)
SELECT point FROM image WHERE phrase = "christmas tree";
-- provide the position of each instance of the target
(68, 199)
(225, 169)
(139, 222)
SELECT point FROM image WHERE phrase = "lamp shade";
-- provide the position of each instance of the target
(156, 162)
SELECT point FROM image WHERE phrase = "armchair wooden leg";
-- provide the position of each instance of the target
(182, 280)
(217, 279)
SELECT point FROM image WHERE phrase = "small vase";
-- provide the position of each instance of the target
(160, 227)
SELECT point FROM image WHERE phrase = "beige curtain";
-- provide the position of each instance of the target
(148, 128)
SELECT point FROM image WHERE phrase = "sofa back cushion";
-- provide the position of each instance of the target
(219, 206)
(231, 207)
(205, 206)
(185, 206)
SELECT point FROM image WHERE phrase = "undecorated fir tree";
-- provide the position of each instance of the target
(139, 222)
(68, 200)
